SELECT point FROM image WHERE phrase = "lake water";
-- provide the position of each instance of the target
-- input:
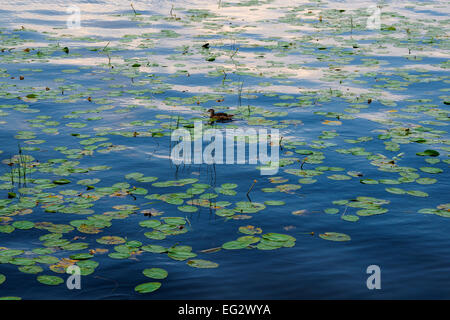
(86, 115)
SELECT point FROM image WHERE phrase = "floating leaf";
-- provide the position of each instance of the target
(431, 170)
(111, 240)
(250, 230)
(119, 255)
(180, 255)
(395, 190)
(61, 181)
(22, 261)
(81, 256)
(331, 210)
(30, 269)
(430, 153)
(50, 280)
(229, 186)
(274, 203)
(188, 208)
(350, 218)
(155, 273)
(23, 225)
(156, 235)
(339, 177)
(368, 181)
(278, 237)
(334, 236)
(417, 193)
(150, 223)
(154, 248)
(147, 287)
(426, 181)
(371, 212)
(6, 228)
(234, 245)
(204, 264)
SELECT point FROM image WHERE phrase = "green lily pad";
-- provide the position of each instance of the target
(417, 193)
(156, 235)
(147, 287)
(119, 255)
(61, 181)
(371, 212)
(150, 223)
(22, 261)
(225, 212)
(229, 186)
(248, 239)
(30, 269)
(46, 259)
(174, 221)
(181, 255)
(339, 177)
(274, 203)
(431, 170)
(133, 244)
(251, 230)
(188, 208)
(395, 190)
(154, 248)
(234, 245)
(350, 218)
(50, 280)
(334, 236)
(426, 181)
(155, 273)
(81, 256)
(204, 264)
(111, 240)
(10, 252)
(331, 210)
(430, 153)
(269, 245)
(23, 225)
(368, 181)
(7, 228)
(278, 237)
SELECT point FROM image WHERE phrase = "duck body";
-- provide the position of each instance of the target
(220, 116)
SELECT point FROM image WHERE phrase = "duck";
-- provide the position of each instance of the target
(220, 116)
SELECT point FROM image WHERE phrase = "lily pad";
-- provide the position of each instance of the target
(335, 236)
(50, 280)
(155, 273)
(23, 225)
(234, 245)
(431, 170)
(350, 218)
(147, 287)
(154, 248)
(430, 153)
(111, 240)
(204, 264)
